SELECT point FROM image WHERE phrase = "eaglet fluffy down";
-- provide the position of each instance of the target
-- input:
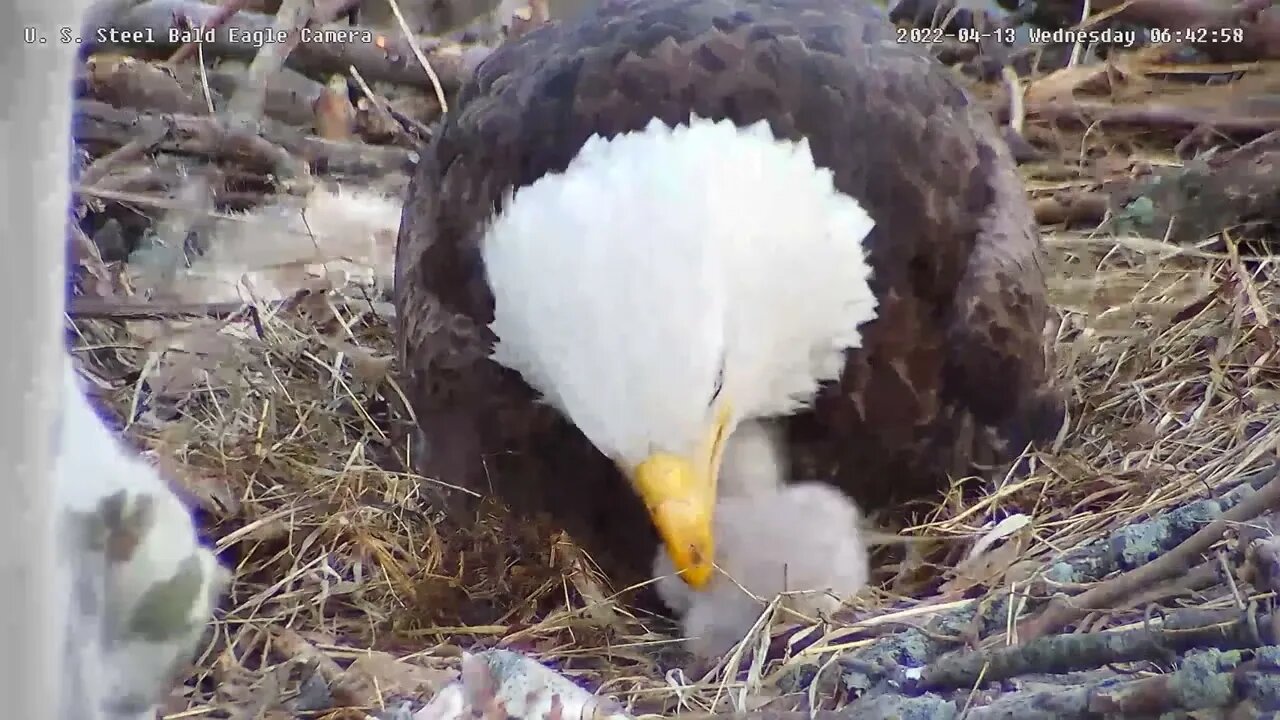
(802, 539)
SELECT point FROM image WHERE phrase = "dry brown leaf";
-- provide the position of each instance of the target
(367, 366)
(1062, 84)
(374, 675)
(335, 115)
(985, 568)
(208, 491)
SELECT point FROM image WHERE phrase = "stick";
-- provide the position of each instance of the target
(1058, 654)
(1159, 116)
(225, 11)
(276, 148)
(379, 56)
(1063, 610)
(250, 97)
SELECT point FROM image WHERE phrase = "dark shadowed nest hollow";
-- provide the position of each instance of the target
(285, 428)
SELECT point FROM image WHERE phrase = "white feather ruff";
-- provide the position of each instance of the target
(621, 284)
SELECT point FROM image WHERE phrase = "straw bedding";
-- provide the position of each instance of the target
(285, 428)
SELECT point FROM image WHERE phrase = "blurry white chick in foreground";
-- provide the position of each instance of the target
(138, 586)
(802, 539)
(106, 570)
(279, 248)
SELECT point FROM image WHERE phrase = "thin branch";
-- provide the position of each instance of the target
(379, 57)
(1056, 654)
(1064, 610)
(250, 97)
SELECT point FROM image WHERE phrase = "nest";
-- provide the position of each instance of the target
(285, 428)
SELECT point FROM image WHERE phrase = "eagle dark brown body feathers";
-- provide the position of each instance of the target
(952, 373)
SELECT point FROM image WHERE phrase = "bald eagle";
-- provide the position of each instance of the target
(642, 227)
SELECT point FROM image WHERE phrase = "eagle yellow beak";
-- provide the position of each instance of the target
(680, 494)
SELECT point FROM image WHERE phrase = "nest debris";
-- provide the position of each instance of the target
(282, 421)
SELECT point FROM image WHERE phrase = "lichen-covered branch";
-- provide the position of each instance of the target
(1063, 610)
(1156, 641)
(929, 667)
(1209, 680)
(1211, 193)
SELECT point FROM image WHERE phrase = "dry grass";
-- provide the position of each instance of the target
(291, 441)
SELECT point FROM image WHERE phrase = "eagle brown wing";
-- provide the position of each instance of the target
(948, 363)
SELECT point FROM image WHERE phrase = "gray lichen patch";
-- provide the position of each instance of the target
(1202, 681)
(898, 707)
(1138, 543)
(863, 671)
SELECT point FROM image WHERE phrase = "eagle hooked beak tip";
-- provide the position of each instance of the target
(681, 506)
(680, 495)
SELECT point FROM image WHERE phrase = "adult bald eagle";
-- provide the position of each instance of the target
(642, 227)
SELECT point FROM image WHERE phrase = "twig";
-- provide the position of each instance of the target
(149, 136)
(417, 53)
(1224, 630)
(327, 12)
(1017, 99)
(225, 11)
(1063, 610)
(128, 81)
(278, 148)
(291, 646)
(89, 308)
(87, 254)
(397, 120)
(1261, 542)
(1071, 207)
(242, 114)
(380, 57)
(1204, 575)
(1261, 36)
(250, 98)
(1154, 116)
(158, 203)
(1077, 48)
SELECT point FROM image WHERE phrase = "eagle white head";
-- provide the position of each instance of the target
(671, 283)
